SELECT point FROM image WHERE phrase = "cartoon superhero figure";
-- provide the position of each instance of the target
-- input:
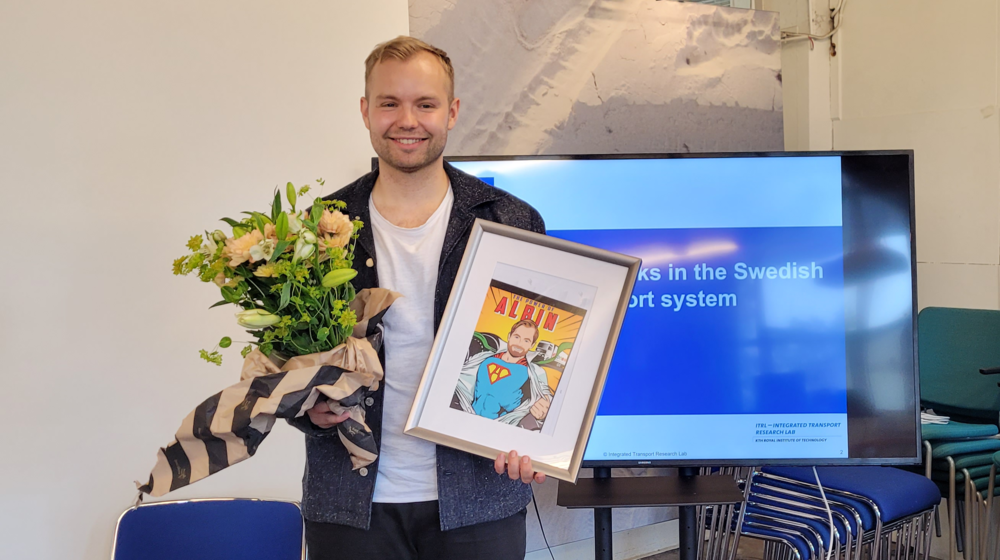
(505, 385)
(500, 385)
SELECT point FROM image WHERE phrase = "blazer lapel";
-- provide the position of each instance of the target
(469, 192)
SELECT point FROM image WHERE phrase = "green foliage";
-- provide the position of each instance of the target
(314, 317)
(211, 357)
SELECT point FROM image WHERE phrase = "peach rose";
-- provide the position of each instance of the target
(238, 250)
(335, 229)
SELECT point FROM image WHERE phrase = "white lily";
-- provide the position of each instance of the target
(303, 250)
(256, 318)
(262, 251)
(294, 223)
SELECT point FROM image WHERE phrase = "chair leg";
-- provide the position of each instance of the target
(952, 530)
(929, 536)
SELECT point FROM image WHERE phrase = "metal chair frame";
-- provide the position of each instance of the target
(839, 550)
(773, 549)
(824, 546)
(960, 538)
(980, 520)
(820, 510)
(770, 527)
(721, 542)
(859, 541)
(876, 534)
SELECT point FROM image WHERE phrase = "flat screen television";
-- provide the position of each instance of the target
(773, 321)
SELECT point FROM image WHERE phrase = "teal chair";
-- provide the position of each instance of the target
(954, 345)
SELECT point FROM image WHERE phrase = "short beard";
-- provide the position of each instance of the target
(385, 155)
(510, 350)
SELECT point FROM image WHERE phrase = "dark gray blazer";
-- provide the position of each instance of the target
(469, 490)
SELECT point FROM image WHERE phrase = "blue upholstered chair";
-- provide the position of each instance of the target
(215, 529)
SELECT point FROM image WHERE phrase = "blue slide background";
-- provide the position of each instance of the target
(780, 350)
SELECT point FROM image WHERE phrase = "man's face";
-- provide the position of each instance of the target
(407, 112)
(520, 341)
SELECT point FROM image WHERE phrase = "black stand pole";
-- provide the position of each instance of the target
(688, 491)
(602, 522)
(688, 521)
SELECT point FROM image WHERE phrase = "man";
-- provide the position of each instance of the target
(417, 500)
(504, 385)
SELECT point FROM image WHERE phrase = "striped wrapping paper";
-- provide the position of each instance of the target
(229, 426)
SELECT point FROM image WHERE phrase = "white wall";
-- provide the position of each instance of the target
(923, 75)
(124, 128)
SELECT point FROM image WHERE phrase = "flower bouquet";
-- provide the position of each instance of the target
(289, 272)
(313, 337)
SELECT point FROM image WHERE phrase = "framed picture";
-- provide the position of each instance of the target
(523, 350)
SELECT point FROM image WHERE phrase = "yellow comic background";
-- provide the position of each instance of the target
(490, 321)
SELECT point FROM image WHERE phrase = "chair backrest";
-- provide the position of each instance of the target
(216, 529)
(953, 345)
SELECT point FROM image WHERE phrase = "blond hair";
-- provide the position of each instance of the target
(402, 48)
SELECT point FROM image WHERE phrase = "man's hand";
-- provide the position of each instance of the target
(321, 416)
(517, 468)
(541, 408)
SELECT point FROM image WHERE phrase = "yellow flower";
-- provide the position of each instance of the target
(264, 271)
(238, 250)
(335, 228)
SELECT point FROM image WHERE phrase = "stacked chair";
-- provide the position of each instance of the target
(959, 453)
(955, 345)
(878, 513)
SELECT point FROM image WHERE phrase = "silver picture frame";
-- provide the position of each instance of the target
(551, 455)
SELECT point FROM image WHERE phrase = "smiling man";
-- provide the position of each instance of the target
(417, 500)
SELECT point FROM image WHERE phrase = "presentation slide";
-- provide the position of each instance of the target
(734, 343)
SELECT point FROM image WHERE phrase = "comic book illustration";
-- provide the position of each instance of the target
(519, 353)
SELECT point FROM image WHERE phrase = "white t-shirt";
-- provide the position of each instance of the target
(407, 262)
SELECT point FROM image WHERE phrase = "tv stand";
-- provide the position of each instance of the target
(688, 490)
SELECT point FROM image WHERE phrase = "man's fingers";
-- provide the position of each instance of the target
(527, 473)
(321, 406)
(326, 419)
(500, 464)
(539, 477)
(513, 466)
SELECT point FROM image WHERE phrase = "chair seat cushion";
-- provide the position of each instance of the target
(897, 493)
(957, 430)
(950, 448)
(965, 461)
(974, 472)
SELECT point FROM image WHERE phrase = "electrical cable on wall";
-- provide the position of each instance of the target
(836, 14)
